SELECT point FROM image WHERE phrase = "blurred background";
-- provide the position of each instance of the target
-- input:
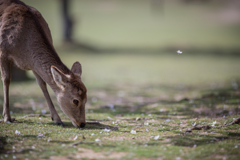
(131, 45)
(151, 25)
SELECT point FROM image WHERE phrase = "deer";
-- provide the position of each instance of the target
(26, 42)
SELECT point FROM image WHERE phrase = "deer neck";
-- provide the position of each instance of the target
(43, 68)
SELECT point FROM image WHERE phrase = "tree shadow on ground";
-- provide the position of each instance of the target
(89, 126)
(196, 139)
(216, 103)
(93, 48)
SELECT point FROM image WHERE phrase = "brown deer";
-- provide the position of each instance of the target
(25, 41)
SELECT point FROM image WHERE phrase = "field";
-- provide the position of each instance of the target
(149, 101)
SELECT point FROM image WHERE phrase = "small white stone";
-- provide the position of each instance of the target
(156, 137)
(168, 120)
(213, 124)
(178, 158)
(97, 140)
(40, 135)
(133, 132)
(106, 130)
(17, 132)
(75, 138)
(161, 110)
(146, 123)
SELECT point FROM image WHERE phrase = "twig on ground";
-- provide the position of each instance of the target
(198, 127)
(80, 142)
(236, 121)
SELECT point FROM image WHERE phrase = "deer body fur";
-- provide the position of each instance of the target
(26, 41)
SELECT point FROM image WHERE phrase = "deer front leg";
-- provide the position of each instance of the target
(53, 112)
(5, 66)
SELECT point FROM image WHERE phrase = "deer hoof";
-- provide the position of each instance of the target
(60, 123)
(7, 120)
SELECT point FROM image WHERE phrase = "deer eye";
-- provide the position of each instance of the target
(75, 102)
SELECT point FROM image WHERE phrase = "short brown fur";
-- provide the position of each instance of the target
(25, 41)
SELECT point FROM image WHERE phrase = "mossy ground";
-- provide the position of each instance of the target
(116, 100)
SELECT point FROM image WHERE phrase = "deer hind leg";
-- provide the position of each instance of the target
(5, 67)
(43, 86)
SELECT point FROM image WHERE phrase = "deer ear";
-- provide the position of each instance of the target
(59, 77)
(77, 69)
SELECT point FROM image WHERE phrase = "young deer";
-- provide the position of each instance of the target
(25, 40)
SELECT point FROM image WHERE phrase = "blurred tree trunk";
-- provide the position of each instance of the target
(67, 21)
(68, 24)
(157, 6)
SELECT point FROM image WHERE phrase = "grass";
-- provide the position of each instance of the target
(169, 106)
(155, 94)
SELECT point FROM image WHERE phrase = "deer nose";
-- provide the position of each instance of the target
(82, 125)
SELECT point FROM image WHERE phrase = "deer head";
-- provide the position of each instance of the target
(72, 93)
